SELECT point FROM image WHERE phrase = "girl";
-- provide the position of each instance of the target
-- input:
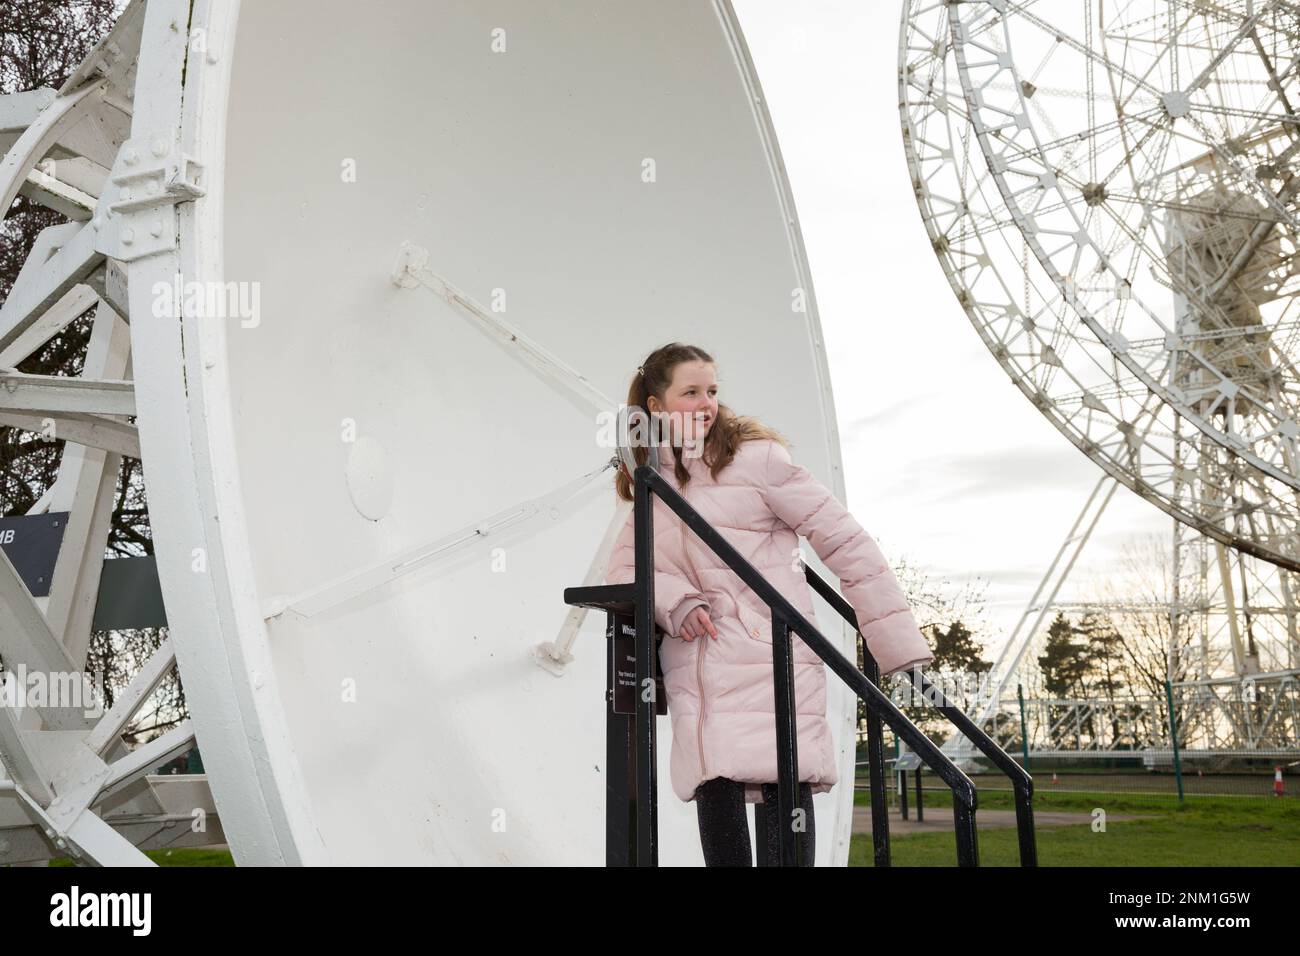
(717, 662)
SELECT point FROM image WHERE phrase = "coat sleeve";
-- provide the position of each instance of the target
(675, 595)
(884, 617)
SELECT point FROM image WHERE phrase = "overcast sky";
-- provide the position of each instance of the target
(947, 463)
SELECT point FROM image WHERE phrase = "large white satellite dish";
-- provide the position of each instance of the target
(448, 232)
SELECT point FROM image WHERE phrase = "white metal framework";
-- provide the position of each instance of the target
(70, 785)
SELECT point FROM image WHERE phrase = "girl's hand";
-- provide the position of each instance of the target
(697, 624)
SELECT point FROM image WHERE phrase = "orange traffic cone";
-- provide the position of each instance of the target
(1277, 781)
(1054, 780)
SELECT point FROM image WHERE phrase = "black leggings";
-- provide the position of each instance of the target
(724, 828)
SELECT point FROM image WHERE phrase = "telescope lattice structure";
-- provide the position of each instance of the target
(1111, 192)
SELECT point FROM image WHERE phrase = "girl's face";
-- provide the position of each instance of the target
(691, 401)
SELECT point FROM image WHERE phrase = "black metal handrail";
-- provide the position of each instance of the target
(1022, 783)
(785, 618)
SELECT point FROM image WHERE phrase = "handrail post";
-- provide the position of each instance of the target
(790, 839)
(877, 775)
(900, 778)
(620, 769)
(647, 815)
(876, 768)
(968, 851)
(1024, 727)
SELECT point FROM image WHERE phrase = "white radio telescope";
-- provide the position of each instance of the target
(368, 283)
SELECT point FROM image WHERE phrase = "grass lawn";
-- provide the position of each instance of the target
(1204, 831)
(182, 857)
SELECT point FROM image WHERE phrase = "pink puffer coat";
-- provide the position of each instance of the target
(720, 692)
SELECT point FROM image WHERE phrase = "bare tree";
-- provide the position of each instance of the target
(1131, 654)
(1139, 593)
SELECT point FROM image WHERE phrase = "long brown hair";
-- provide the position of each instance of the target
(725, 436)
